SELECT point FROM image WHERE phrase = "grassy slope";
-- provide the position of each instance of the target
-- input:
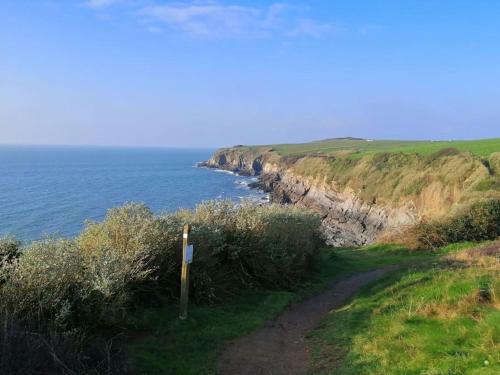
(165, 345)
(436, 177)
(443, 319)
(359, 148)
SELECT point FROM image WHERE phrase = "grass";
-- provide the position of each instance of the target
(426, 318)
(162, 344)
(440, 319)
(170, 346)
(437, 315)
(360, 148)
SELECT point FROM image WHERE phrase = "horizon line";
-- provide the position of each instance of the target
(65, 145)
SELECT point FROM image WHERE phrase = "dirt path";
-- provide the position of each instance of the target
(279, 348)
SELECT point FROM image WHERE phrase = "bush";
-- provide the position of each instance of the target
(124, 255)
(133, 256)
(9, 251)
(479, 222)
(249, 246)
(9, 248)
(58, 293)
(47, 277)
(37, 347)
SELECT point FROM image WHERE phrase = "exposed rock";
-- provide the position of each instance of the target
(347, 220)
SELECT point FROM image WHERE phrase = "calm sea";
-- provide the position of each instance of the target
(52, 190)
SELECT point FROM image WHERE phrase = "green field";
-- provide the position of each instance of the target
(359, 148)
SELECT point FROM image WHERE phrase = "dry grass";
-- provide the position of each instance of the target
(433, 184)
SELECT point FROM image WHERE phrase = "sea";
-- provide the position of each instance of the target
(51, 191)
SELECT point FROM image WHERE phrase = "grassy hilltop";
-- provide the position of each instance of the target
(357, 148)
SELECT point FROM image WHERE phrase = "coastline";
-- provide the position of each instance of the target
(363, 200)
(254, 182)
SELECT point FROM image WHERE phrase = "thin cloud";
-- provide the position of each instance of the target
(205, 20)
(310, 27)
(97, 4)
(214, 20)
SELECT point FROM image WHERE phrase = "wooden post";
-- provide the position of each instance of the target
(184, 274)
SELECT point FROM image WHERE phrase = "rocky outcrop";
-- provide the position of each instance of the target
(347, 220)
(232, 160)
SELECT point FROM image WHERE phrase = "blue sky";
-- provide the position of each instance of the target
(214, 73)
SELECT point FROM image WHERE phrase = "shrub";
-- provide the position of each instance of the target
(56, 291)
(9, 251)
(479, 222)
(134, 257)
(38, 347)
(47, 277)
(9, 248)
(494, 163)
(124, 254)
(249, 246)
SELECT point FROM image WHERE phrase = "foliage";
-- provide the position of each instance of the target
(47, 276)
(66, 291)
(479, 222)
(37, 346)
(248, 246)
(9, 251)
(9, 248)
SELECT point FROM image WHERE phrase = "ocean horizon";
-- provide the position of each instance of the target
(52, 190)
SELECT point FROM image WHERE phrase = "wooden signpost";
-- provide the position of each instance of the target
(187, 258)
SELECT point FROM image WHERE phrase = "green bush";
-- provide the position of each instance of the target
(249, 246)
(9, 251)
(9, 248)
(125, 254)
(47, 277)
(56, 294)
(134, 256)
(479, 222)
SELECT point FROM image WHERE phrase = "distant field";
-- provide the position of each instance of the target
(358, 148)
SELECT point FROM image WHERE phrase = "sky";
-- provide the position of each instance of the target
(224, 72)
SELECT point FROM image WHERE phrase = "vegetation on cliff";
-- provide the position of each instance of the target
(429, 180)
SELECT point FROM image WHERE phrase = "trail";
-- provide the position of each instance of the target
(280, 348)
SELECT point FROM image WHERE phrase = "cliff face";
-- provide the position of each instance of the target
(362, 202)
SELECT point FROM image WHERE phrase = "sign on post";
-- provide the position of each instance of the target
(187, 258)
(189, 254)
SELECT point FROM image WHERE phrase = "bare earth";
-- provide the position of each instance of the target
(280, 348)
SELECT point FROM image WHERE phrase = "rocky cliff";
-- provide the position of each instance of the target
(362, 200)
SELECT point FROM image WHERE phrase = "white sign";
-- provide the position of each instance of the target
(189, 254)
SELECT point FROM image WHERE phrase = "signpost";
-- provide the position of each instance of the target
(187, 258)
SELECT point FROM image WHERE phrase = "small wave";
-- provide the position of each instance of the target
(224, 171)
